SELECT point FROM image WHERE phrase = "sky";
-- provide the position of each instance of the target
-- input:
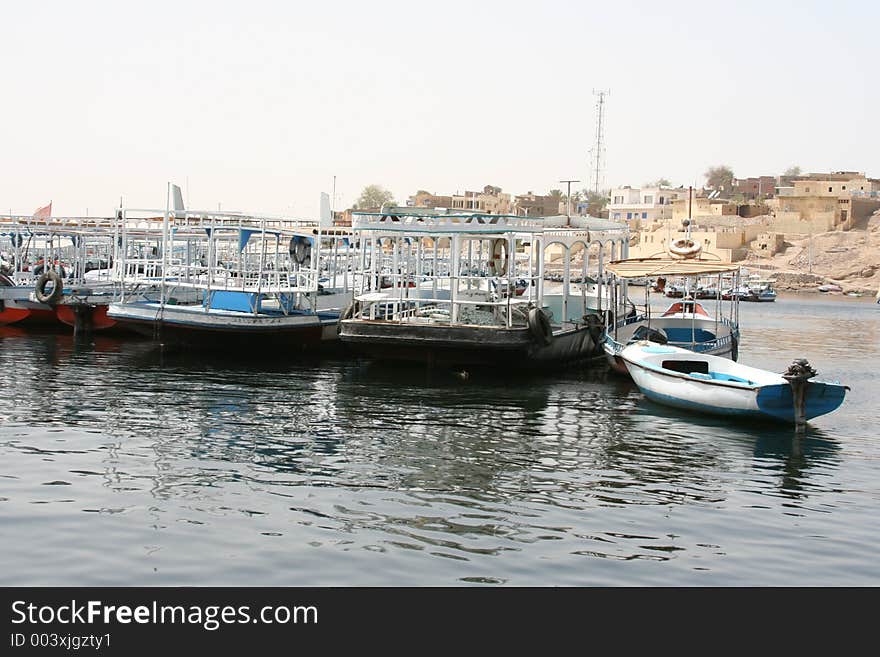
(256, 106)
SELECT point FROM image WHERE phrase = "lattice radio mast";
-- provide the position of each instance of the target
(597, 153)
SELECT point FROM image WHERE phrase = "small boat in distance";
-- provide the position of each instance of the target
(760, 290)
(708, 384)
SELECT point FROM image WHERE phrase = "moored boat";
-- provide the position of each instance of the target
(686, 323)
(214, 279)
(709, 384)
(481, 298)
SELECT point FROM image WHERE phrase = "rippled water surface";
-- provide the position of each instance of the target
(125, 464)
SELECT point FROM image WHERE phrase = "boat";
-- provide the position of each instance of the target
(230, 280)
(685, 323)
(50, 277)
(759, 290)
(709, 384)
(484, 298)
(831, 287)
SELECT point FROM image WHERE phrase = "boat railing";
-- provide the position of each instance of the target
(698, 347)
(483, 312)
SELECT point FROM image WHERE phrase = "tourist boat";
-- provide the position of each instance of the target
(482, 299)
(686, 323)
(47, 283)
(709, 384)
(230, 280)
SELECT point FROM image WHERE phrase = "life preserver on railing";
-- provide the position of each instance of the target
(539, 325)
(684, 247)
(300, 249)
(498, 258)
(52, 297)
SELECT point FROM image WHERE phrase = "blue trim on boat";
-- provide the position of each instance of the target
(821, 398)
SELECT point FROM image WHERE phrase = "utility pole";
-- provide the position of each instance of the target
(568, 197)
(599, 147)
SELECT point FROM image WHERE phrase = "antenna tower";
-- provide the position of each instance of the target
(598, 151)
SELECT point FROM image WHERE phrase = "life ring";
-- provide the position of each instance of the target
(300, 250)
(539, 325)
(684, 247)
(40, 290)
(498, 259)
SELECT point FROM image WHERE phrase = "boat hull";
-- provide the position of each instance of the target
(500, 347)
(195, 327)
(767, 402)
(93, 317)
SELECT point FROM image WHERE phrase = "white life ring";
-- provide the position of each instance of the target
(684, 247)
(498, 259)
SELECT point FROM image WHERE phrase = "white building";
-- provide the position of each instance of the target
(637, 206)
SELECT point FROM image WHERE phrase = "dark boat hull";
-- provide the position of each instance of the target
(467, 345)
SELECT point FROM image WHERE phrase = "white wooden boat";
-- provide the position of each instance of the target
(709, 384)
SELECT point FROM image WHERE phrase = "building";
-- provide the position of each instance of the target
(768, 244)
(729, 242)
(423, 199)
(637, 206)
(536, 205)
(491, 201)
(702, 208)
(820, 202)
(752, 189)
(850, 183)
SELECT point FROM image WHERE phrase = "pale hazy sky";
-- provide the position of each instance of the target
(259, 104)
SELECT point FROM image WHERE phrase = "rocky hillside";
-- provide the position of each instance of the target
(850, 259)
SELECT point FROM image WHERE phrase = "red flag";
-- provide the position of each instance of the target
(44, 213)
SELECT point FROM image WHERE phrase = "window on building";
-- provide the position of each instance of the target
(618, 199)
(644, 215)
(617, 215)
(629, 215)
(649, 199)
(808, 190)
(829, 188)
(661, 200)
(842, 187)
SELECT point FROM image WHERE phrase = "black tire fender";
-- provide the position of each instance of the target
(57, 288)
(539, 325)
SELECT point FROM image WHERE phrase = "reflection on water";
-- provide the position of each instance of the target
(286, 470)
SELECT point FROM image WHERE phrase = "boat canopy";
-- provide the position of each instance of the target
(647, 267)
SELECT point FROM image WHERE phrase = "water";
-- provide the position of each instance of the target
(122, 464)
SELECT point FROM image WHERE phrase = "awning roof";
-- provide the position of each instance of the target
(647, 267)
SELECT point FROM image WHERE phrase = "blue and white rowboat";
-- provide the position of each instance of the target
(711, 384)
